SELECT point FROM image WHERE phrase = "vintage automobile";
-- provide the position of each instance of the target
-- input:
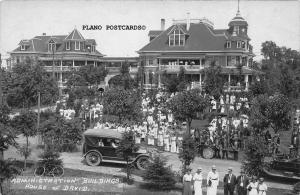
(100, 145)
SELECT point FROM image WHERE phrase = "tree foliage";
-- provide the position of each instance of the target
(24, 83)
(270, 111)
(186, 104)
(61, 133)
(158, 176)
(125, 104)
(127, 148)
(214, 81)
(255, 152)
(189, 151)
(174, 83)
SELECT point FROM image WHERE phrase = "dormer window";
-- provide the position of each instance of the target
(68, 45)
(238, 44)
(77, 45)
(93, 48)
(51, 47)
(176, 38)
(228, 44)
(236, 29)
(23, 47)
(243, 44)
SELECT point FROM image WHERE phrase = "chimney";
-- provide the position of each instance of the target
(188, 21)
(162, 24)
(44, 34)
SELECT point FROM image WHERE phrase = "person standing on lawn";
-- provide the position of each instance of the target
(229, 182)
(212, 181)
(187, 182)
(252, 187)
(197, 178)
(262, 187)
(242, 183)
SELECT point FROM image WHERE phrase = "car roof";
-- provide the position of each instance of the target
(103, 132)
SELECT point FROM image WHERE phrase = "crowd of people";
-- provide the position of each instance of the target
(241, 184)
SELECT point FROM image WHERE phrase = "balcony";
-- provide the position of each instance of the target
(61, 68)
(186, 67)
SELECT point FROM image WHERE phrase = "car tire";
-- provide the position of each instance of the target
(142, 162)
(93, 159)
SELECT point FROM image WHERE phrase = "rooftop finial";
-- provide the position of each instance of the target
(238, 11)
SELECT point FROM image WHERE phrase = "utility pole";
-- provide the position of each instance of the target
(38, 119)
(1, 101)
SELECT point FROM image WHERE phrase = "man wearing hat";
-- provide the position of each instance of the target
(229, 182)
(212, 181)
(242, 183)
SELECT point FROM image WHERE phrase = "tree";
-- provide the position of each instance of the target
(83, 83)
(158, 176)
(127, 148)
(214, 81)
(125, 104)
(25, 123)
(26, 80)
(272, 111)
(185, 105)
(174, 83)
(8, 171)
(188, 152)
(7, 132)
(255, 152)
(61, 133)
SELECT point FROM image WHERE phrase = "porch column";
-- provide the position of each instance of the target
(85, 63)
(73, 64)
(94, 63)
(158, 72)
(229, 81)
(246, 81)
(60, 76)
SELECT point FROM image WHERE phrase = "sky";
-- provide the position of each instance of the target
(278, 21)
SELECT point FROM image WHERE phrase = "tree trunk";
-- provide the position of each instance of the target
(1, 155)
(26, 153)
(188, 123)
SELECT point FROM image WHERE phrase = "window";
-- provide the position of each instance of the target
(68, 44)
(238, 44)
(23, 47)
(228, 44)
(77, 45)
(150, 62)
(176, 38)
(236, 29)
(243, 44)
(51, 47)
(93, 48)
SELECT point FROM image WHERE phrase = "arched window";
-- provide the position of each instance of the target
(176, 38)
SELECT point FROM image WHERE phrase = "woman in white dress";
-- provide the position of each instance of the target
(197, 178)
(212, 181)
(262, 187)
(252, 187)
(187, 183)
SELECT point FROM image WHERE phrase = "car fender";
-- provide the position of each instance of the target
(93, 151)
(140, 155)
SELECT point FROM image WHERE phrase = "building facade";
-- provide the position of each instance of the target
(194, 44)
(60, 54)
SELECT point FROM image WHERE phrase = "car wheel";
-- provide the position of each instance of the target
(142, 162)
(93, 159)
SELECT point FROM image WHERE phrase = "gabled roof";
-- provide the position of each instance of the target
(154, 32)
(74, 35)
(91, 41)
(181, 27)
(201, 38)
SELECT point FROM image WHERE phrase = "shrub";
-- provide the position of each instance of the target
(188, 152)
(50, 156)
(158, 176)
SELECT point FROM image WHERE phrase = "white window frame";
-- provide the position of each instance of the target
(51, 47)
(93, 48)
(236, 29)
(68, 45)
(77, 45)
(228, 44)
(238, 44)
(178, 36)
(23, 47)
